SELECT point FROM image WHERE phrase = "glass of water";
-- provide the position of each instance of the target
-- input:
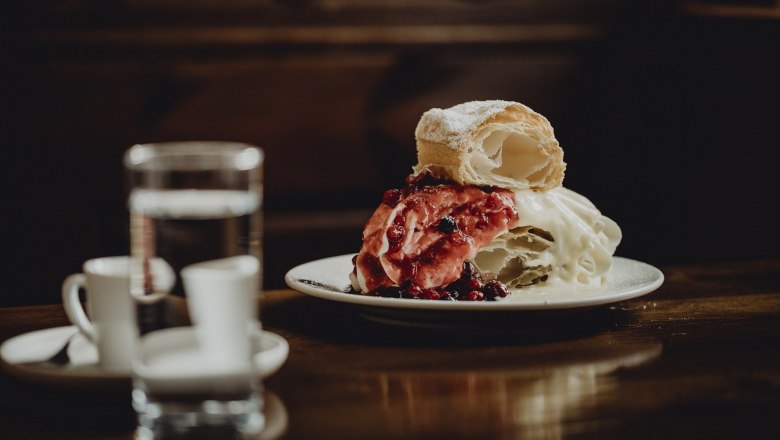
(197, 206)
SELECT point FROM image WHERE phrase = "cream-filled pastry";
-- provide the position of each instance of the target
(484, 213)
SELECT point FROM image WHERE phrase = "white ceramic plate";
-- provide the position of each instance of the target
(329, 279)
(20, 355)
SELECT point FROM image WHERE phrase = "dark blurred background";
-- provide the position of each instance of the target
(668, 113)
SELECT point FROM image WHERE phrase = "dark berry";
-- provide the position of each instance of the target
(447, 224)
(395, 233)
(475, 295)
(429, 294)
(495, 289)
(474, 284)
(412, 291)
(391, 197)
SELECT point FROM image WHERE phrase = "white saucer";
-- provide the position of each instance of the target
(171, 361)
(20, 354)
(329, 279)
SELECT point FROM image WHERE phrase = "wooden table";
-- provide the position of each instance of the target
(697, 359)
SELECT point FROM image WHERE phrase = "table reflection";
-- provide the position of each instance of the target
(276, 422)
(526, 401)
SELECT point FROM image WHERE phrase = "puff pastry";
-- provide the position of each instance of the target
(490, 143)
(486, 193)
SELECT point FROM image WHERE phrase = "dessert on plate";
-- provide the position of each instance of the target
(483, 214)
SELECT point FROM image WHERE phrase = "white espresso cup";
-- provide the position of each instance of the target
(222, 300)
(109, 321)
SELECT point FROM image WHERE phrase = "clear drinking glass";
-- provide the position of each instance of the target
(197, 206)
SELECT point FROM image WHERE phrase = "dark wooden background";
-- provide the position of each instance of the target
(667, 112)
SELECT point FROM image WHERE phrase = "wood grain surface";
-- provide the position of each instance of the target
(697, 359)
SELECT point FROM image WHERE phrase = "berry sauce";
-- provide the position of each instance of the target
(420, 238)
(470, 286)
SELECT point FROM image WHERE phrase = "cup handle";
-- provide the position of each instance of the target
(73, 307)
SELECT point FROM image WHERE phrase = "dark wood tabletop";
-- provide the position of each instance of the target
(697, 359)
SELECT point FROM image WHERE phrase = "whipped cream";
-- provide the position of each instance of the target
(580, 254)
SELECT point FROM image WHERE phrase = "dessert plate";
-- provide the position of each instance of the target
(21, 356)
(328, 279)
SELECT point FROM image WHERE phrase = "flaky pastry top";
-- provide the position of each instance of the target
(490, 143)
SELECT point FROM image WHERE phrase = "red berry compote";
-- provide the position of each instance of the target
(419, 241)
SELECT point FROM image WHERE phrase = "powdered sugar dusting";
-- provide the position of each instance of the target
(450, 126)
